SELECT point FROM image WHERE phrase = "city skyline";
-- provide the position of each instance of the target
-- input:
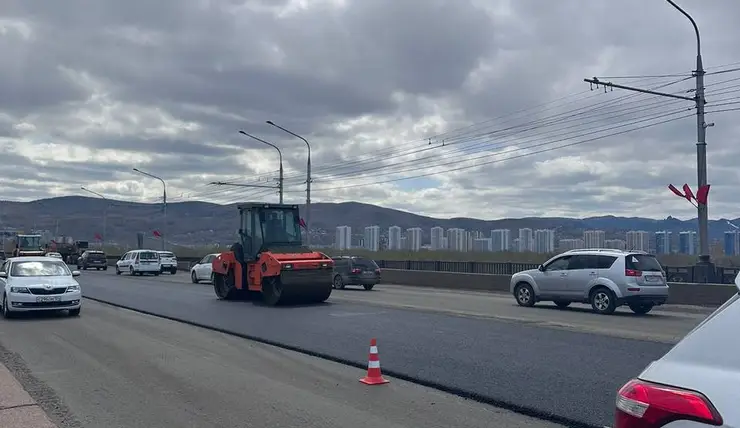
(527, 240)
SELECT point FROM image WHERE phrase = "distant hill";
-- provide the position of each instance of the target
(202, 223)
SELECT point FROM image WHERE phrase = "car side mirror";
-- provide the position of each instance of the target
(75, 273)
(541, 268)
(3, 274)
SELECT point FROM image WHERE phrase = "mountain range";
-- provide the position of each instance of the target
(203, 223)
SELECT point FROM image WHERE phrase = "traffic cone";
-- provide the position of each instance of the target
(374, 376)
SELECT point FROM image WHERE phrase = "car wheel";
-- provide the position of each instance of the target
(118, 271)
(338, 283)
(6, 312)
(524, 295)
(194, 277)
(131, 271)
(368, 287)
(562, 304)
(641, 309)
(603, 301)
(75, 312)
(173, 271)
(105, 268)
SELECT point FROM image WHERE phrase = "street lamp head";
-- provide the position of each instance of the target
(242, 132)
(136, 169)
(269, 122)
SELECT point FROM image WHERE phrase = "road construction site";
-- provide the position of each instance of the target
(470, 355)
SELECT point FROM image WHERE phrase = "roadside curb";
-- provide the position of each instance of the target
(527, 411)
(17, 408)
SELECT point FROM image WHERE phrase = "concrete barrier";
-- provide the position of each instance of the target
(681, 293)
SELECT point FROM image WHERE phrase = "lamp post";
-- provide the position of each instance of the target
(308, 180)
(164, 204)
(105, 213)
(701, 144)
(280, 180)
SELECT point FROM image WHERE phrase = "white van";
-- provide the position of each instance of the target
(139, 262)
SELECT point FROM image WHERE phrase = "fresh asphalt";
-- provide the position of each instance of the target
(571, 376)
(112, 367)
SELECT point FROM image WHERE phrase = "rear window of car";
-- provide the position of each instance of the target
(148, 256)
(364, 263)
(96, 255)
(642, 262)
(166, 255)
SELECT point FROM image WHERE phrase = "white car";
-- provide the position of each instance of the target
(694, 384)
(54, 255)
(139, 262)
(168, 260)
(39, 284)
(203, 270)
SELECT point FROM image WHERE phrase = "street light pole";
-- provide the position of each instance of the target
(308, 180)
(164, 203)
(105, 213)
(701, 144)
(704, 264)
(280, 180)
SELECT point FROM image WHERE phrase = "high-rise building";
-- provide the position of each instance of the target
(663, 242)
(344, 238)
(570, 244)
(438, 236)
(638, 240)
(616, 244)
(394, 238)
(731, 242)
(413, 238)
(687, 242)
(544, 241)
(372, 238)
(526, 239)
(482, 244)
(456, 239)
(501, 240)
(594, 238)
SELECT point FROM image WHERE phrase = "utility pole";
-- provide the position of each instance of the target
(164, 205)
(105, 214)
(308, 180)
(280, 180)
(704, 265)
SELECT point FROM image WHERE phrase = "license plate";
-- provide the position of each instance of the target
(654, 278)
(41, 299)
(368, 273)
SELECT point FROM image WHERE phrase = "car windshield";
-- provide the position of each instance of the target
(148, 256)
(364, 263)
(39, 268)
(643, 262)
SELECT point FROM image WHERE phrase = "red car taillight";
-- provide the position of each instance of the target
(632, 272)
(377, 271)
(356, 270)
(643, 404)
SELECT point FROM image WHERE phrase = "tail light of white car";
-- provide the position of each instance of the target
(642, 404)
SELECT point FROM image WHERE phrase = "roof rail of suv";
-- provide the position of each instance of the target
(605, 250)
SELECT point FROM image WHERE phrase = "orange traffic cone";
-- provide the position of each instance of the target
(374, 376)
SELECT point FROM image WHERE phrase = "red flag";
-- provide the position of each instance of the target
(302, 223)
(676, 191)
(689, 195)
(98, 237)
(703, 194)
(157, 234)
(53, 242)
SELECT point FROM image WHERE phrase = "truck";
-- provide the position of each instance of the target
(70, 249)
(23, 245)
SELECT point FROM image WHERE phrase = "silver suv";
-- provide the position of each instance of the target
(604, 278)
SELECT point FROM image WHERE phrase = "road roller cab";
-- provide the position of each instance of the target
(269, 259)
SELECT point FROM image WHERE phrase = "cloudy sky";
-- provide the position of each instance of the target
(445, 108)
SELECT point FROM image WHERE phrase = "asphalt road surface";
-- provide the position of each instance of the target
(569, 374)
(117, 368)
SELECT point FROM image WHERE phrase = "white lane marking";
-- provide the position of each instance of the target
(354, 314)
